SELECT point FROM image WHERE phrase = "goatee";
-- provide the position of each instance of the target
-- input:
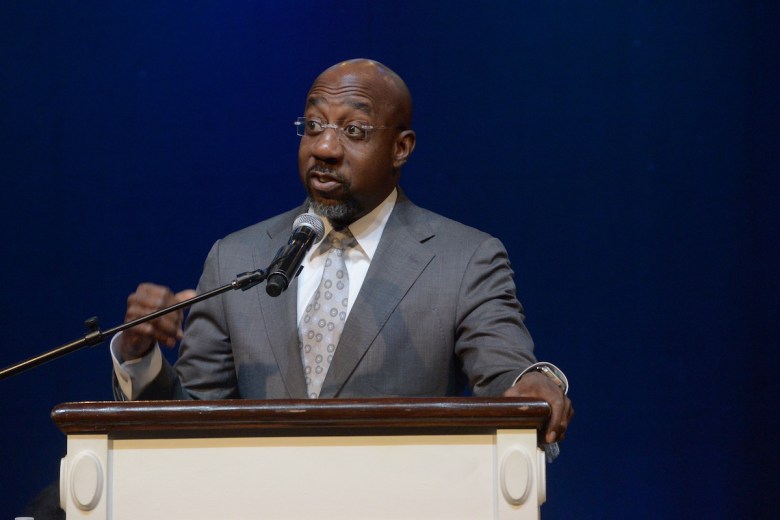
(340, 214)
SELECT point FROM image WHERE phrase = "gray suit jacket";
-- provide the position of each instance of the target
(437, 311)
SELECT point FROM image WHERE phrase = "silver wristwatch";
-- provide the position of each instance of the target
(551, 371)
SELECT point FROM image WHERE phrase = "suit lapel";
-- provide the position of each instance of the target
(280, 314)
(398, 262)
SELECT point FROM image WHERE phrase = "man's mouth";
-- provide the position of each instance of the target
(324, 181)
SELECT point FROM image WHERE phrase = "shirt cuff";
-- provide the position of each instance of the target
(135, 375)
(557, 372)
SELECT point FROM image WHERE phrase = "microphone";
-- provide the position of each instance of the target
(307, 229)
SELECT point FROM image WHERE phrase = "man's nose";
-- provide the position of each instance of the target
(328, 145)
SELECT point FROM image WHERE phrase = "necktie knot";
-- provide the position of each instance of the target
(341, 239)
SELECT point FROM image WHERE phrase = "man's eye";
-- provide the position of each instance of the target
(313, 125)
(355, 130)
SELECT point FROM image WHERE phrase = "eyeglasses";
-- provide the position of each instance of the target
(352, 130)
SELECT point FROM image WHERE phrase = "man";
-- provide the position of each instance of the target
(425, 303)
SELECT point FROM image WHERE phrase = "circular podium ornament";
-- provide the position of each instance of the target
(516, 476)
(86, 481)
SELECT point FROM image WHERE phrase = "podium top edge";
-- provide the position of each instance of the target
(319, 416)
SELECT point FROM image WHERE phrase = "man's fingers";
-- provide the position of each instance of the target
(537, 385)
(185, 295)
(560, 418)
(554, 426)
(166, 330)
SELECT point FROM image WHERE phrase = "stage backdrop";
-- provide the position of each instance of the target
(625, 152)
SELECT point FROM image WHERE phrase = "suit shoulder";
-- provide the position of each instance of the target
(447, 229)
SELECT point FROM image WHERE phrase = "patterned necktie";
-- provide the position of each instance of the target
(325, 314)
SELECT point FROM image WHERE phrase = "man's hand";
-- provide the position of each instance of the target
(137, 341)
(534, 384)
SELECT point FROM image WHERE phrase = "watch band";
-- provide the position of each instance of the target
(544, 369)
(548, 369)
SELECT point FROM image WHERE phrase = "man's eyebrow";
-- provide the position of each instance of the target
(360, 105)
(313, 101)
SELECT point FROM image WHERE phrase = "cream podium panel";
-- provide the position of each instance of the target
(470, 477)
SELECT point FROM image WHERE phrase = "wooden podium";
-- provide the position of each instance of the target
(452, 458)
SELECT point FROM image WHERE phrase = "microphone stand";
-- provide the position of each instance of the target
(95, 336)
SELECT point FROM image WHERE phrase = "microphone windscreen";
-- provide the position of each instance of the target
(313, 221)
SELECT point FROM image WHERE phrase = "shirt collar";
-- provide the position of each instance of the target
(368, 229)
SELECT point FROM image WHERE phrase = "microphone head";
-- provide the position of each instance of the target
(312, 221)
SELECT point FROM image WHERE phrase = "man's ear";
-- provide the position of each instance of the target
(404, 146)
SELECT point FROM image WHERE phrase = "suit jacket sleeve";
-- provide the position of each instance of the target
(490, 338)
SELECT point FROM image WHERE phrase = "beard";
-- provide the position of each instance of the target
(340, 214)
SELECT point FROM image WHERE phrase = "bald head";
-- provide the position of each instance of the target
(387, 88)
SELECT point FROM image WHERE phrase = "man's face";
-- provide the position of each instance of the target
(347, 178)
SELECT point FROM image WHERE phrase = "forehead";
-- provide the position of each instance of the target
(350, 91)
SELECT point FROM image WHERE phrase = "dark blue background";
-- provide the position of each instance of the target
(625, 152)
